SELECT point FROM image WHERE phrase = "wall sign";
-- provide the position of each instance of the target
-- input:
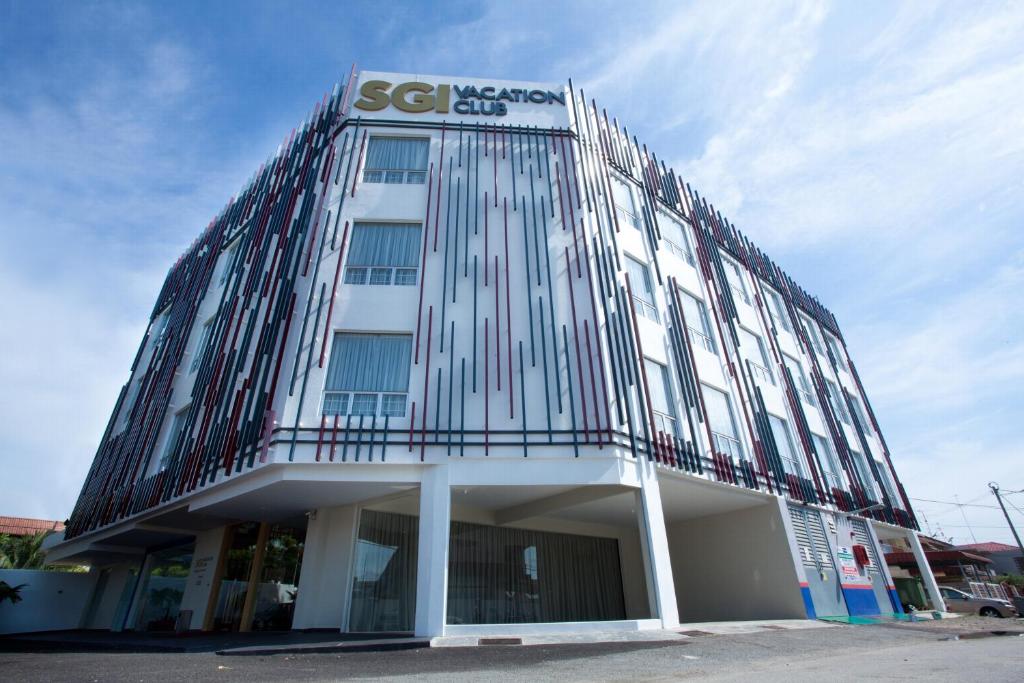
(416, 97)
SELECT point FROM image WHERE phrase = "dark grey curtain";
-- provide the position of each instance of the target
(499, 575)
(384, 586)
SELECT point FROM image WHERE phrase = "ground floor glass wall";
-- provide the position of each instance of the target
(499, 575)
(163, 588)
(384, 584)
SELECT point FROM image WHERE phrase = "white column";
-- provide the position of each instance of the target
(883, 566)
(661, 589)
(927, 577)
(432, 560)
(202, 574)
(325, 582)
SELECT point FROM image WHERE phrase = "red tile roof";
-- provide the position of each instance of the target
(988, 547)
(936, 557)
(24, 526)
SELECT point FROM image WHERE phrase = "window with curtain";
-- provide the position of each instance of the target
(673, 234)
(368, 374)
(735, 277)
(204, 340)
(860, 464)
(756, 354)
(858, 411)
(829, 461)
(833, 346)
(396, 160)
(383, 254)
(384, 581)
(173, 435)
(723, 422)
(888, 483)
(229, 259)
(812, 334)
(622, 197)
(642, 288)
(784, 443)
(697, 320)
(838, 404)
(778, 310)
(502, 575)
(803, 385)
(662, 400)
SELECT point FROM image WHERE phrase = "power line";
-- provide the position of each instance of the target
(949, 502)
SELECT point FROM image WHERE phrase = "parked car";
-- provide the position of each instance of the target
(958, 601)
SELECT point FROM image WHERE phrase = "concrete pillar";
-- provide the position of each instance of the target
(325, 580)
(890, 586)
(432, 558)
(661, 589)
(930, 586)
(202, 574)
(782, 507)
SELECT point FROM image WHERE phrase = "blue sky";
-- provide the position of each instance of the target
(875, 150)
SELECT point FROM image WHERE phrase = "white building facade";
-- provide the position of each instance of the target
(465, 358)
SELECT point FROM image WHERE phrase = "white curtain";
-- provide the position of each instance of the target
(696, 314)
(384, 586)
(785, 445)
(394, 245)
(719, 412)
(394, 153)
(661, 390)
(640, 280)
(501, 575)
(369, 362)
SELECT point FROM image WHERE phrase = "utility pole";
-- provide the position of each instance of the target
(995, 490)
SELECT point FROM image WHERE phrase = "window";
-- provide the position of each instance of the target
(129, 401)
(396, 160)
(735, 277)
(829, 461)
(368, 375)
(229, 259)
(833, 346)
(803, 386)
(860, 463)
(625, 208)
(661, 397)
(383, 254)
(643, 290)
(723, 423)
(173, 435)
(858, 410)
(757, 356)
(777, 310)
(838, 404)
(697, 321)
(812, 333)
(160, 328)
(888, 483)
(204, 341)
(673, 234)
(784, 443)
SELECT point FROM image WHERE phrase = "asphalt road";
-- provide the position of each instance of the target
(844, 653)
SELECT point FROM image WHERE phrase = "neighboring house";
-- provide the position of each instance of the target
(1006, 559)
(953, 566)
(27, 526)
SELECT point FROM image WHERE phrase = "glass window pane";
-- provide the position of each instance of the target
(784, 442)
(355, 276)
(380, 276)
(364, 404)
(393, 405)
(335, 403)
(719, 412)
(405, 276)
(384, 582)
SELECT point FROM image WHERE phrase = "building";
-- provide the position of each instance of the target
(464, 357)
(28, 526)
(1006, 559)
(950, 565)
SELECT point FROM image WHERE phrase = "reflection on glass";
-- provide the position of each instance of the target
(235, 579)
(163, 588)
(384, 586)
(279, 579)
